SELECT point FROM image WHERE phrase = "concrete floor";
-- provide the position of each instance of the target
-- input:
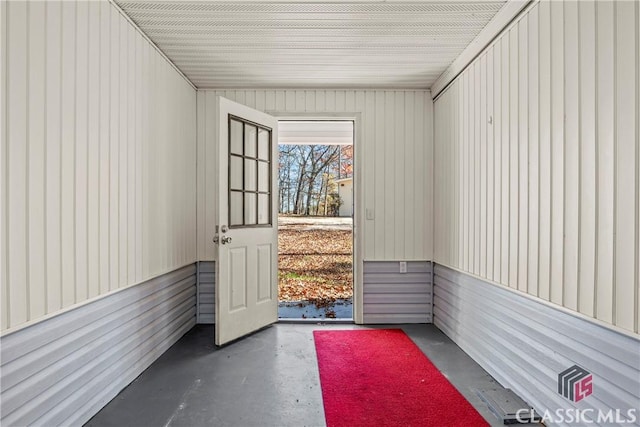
(269, 378)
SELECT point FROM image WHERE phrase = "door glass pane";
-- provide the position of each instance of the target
(250, 209)
(235, 208)
(250, 140)
(263, 176)
(263, 209)
(263, 144)
(235, 170)
(250, 175)
(235, 136)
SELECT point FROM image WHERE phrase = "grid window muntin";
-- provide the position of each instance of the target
(245, 160)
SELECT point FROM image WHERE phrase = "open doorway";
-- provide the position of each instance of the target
(315, 224)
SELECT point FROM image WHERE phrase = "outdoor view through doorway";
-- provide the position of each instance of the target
(315, 221)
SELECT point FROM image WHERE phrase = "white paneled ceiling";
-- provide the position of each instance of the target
(311, 44)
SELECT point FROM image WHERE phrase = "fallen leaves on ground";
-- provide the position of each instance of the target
(315, 265)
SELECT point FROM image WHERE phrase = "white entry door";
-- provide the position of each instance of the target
(247, 229)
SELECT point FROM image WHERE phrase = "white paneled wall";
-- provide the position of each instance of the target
(98, 158)
(396, 161)
(537, 160)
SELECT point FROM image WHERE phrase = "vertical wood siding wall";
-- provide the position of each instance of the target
(98, 158)
(396, 147)
(537, 160)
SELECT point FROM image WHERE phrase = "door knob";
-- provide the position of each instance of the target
(225, 240)
(216, 239)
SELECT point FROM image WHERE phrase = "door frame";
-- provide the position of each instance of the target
(358, 211)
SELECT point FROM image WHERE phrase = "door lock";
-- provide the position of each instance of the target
(224, 240)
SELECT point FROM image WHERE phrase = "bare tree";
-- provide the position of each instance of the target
(285, 171)
(305, 176)
(321, 157)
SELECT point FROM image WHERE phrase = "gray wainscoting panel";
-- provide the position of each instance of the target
(525, 344)
(206, 292)
(62, 370)
(394, 297)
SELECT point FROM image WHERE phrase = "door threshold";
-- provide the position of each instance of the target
(345, 321)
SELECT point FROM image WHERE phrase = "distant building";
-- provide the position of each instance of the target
(345, 190)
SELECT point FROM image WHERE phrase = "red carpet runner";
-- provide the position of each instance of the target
(381, 378)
